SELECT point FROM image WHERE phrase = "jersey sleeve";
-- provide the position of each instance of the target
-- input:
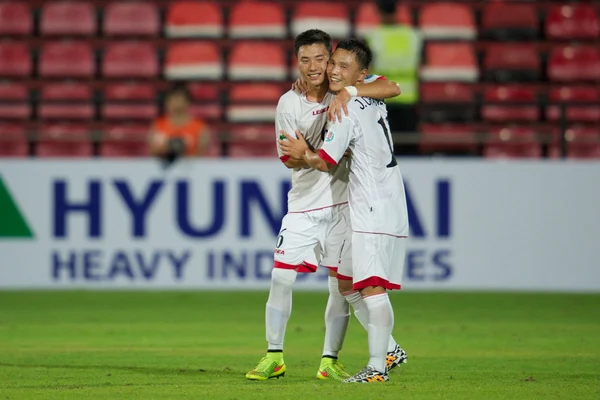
(337, 140)
(285, 120)
(373, 77)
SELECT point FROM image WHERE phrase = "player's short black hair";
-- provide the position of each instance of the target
(362, 52)
(313, 36)
(179, 90)
(387, 6)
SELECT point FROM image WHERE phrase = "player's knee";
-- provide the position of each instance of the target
(283, 277)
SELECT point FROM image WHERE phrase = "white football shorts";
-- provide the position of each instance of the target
(312, 238)
(378, 260)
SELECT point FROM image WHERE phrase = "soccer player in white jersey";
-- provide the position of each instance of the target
(376, 197)
(317, 217)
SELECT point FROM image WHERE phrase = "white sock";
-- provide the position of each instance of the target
(362, 314)
(381, 324)
(337, 316)
(279, 306)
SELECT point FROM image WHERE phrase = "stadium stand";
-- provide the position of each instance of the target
(492, 71)
(131, 19)
(68, 18)
(15, 60)
(14, 101)
(16, 19)
(193, 60)
(65, 101)
(193, 19)
(254, 19)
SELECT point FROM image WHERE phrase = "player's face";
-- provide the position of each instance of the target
(177, 106)
(312, 63)
(343, 70)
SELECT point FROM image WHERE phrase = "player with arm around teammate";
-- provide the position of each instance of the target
(376, 198)
(317, 213)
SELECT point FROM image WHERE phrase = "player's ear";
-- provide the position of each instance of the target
(363, 75)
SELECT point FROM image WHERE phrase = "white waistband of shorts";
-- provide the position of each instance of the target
(316, 209)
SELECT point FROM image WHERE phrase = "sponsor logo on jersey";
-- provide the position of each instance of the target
(321, 111)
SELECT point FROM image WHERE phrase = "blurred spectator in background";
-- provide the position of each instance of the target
(178, 133)
(397, 55)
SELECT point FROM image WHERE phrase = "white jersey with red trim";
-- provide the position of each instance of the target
(376, 190)
(311, 189)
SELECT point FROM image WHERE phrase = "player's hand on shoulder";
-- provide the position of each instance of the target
(300, 86)
(339, 105)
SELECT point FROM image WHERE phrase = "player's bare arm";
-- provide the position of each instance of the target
(380, 89)
(298, 148)
(294, 163)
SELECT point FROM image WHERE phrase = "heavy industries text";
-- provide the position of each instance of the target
(232, 211)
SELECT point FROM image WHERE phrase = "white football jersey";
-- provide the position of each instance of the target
(376, 190)
(311, 189)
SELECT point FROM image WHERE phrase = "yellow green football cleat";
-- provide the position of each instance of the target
(331, 369)
(267, 368)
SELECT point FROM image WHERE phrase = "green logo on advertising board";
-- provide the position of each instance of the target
(12, 223)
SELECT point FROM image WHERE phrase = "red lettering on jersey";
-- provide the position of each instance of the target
(279, 251)
(321, 111)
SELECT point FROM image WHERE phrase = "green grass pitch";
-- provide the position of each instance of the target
(189, 345)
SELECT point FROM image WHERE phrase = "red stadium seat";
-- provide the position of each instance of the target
(13, 140)
(205, 91)
(194, 19)
(66, 101)
(329, 16)
(447, 21)
(448, 138)
(131, 19)
(207, 100)
(582, 103)
(213, 150)
(64, 140)
(15, 60)
(129, 101)
(512, 150)
(66, 59)
(509, 21)
(14, 101)
(193, 60)
(253, 133)
(583, 142)
(68, 18)
(508, 62)
(584, 151)
(574, 63)
(512, 142)
(368, 18)
(256, 19)
(125, 140)
(253, 102)
(449, 62)
(245, 65)
(572, 21)
(130, 60)
(15, 18)
(447, 102)
(403, 15)
(521, 103)
(251, 149)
